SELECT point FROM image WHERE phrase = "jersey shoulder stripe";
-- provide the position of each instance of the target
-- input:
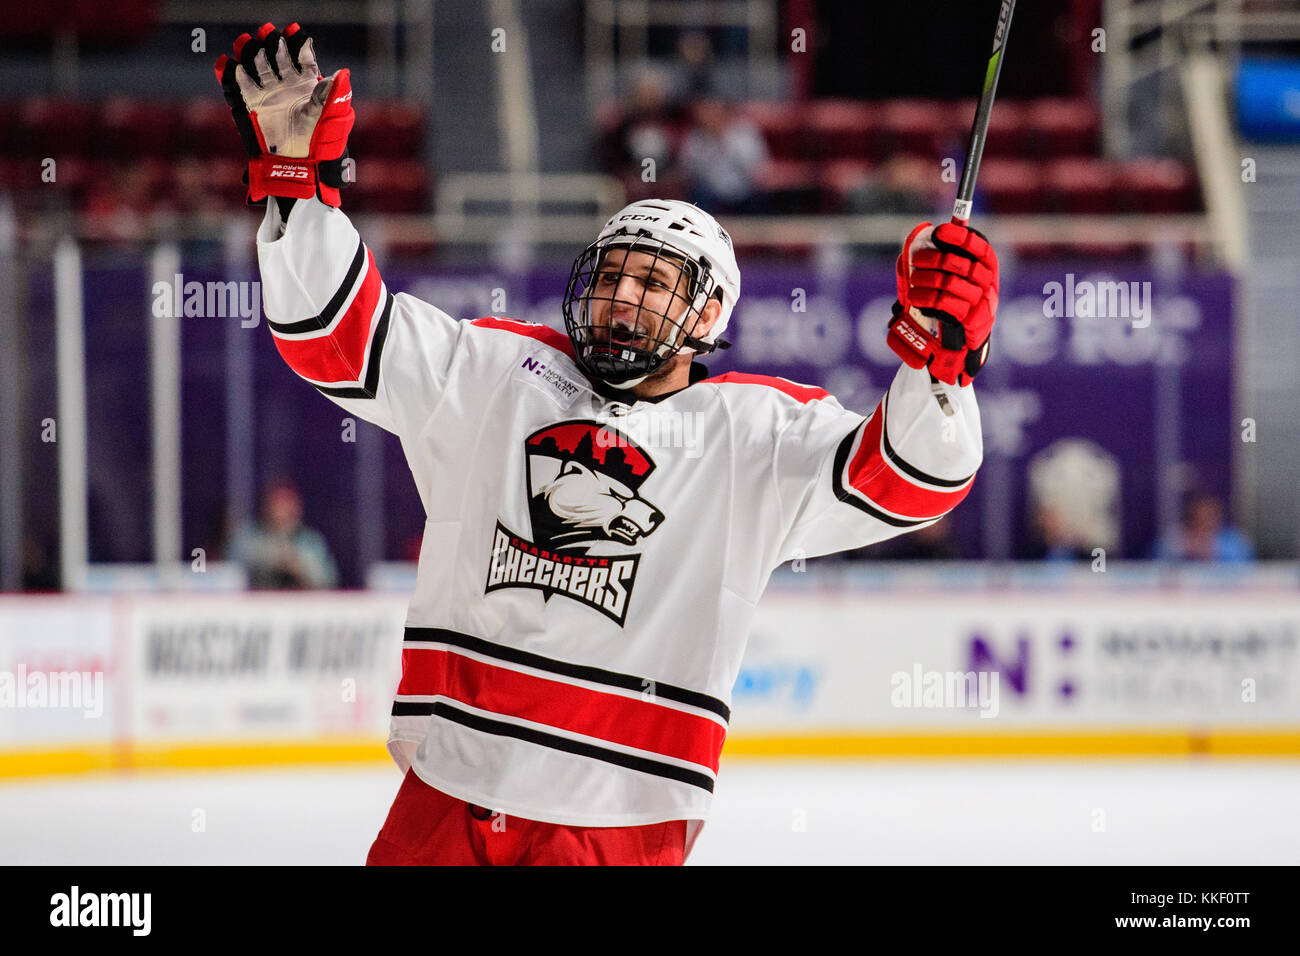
(796, 390)
(533, 330)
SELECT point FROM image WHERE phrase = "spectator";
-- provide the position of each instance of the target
(645, 132)
(280, 552)
(902, 186)
(723, 159)
(122, 206)
(932, 543)
(695, 54)
(39, 572)
(1202, 534)
(1056, 539)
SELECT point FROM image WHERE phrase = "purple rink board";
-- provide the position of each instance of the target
(1048, 378)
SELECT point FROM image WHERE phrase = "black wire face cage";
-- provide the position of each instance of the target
(623, 331)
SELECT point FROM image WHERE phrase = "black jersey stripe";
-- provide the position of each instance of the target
(371, 386)
(532, 735)
(905, 467)
(332, 307)
(852, 497)
(594, 675)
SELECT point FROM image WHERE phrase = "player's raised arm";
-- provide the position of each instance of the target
(332, 318)
(847, 482)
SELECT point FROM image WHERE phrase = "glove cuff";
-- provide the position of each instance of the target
(270, 175)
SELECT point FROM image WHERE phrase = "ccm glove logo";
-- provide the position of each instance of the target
(910, 336)
(283, 171)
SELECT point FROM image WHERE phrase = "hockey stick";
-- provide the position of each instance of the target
(979, 129)
(961, 209)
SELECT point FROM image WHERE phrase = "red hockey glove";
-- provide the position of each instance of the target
(293, 121)
(947, 298)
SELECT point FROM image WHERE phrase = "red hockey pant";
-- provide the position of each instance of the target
(426, 827)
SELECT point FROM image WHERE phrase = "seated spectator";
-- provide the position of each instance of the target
(645, 132)
(1203, 534)
(931, 543)
(121, 207)
(902, 186)
(1055, 539)
(722, 158)
(695, 56)
(279, 552)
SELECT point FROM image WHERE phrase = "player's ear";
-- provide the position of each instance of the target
(708, 317)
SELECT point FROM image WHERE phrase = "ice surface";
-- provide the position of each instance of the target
(1211, 812)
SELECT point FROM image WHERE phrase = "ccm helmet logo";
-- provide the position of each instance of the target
(636, 217)
(280, 171)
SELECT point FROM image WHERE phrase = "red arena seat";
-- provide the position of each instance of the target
(841, 129)
(912, 126)
(131, 127)
(1158, 186)
(792, 186)
(206, 128)
(388, 129)
(1081, 186)
(54, 127)
(1012, 185)
(1062, 127)
(783, 127)
(389, 186)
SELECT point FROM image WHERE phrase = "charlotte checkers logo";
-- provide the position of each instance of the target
(583, 489)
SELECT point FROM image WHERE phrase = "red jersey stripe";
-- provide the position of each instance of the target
(543, 333)
(629, 721)
(871, 474)
(804, 393)
(339, 356)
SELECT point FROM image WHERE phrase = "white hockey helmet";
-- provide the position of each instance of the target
(668, 229)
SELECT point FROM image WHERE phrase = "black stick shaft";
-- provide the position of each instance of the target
(979, 129)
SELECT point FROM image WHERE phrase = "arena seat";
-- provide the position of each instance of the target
(1079, 185)
(1012, 186)
(130, 127)
(206, 128)
(54, 127)
(912, 126)
(783, 128)
(389, 186)
(840, 129)
(1157, 186)
(1062, 127)
(388, 129)
(792, 186)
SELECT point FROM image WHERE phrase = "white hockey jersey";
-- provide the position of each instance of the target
(590, 569)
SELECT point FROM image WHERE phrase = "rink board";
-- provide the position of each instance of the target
(152, 681)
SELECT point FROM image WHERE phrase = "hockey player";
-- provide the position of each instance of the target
(602, 516)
